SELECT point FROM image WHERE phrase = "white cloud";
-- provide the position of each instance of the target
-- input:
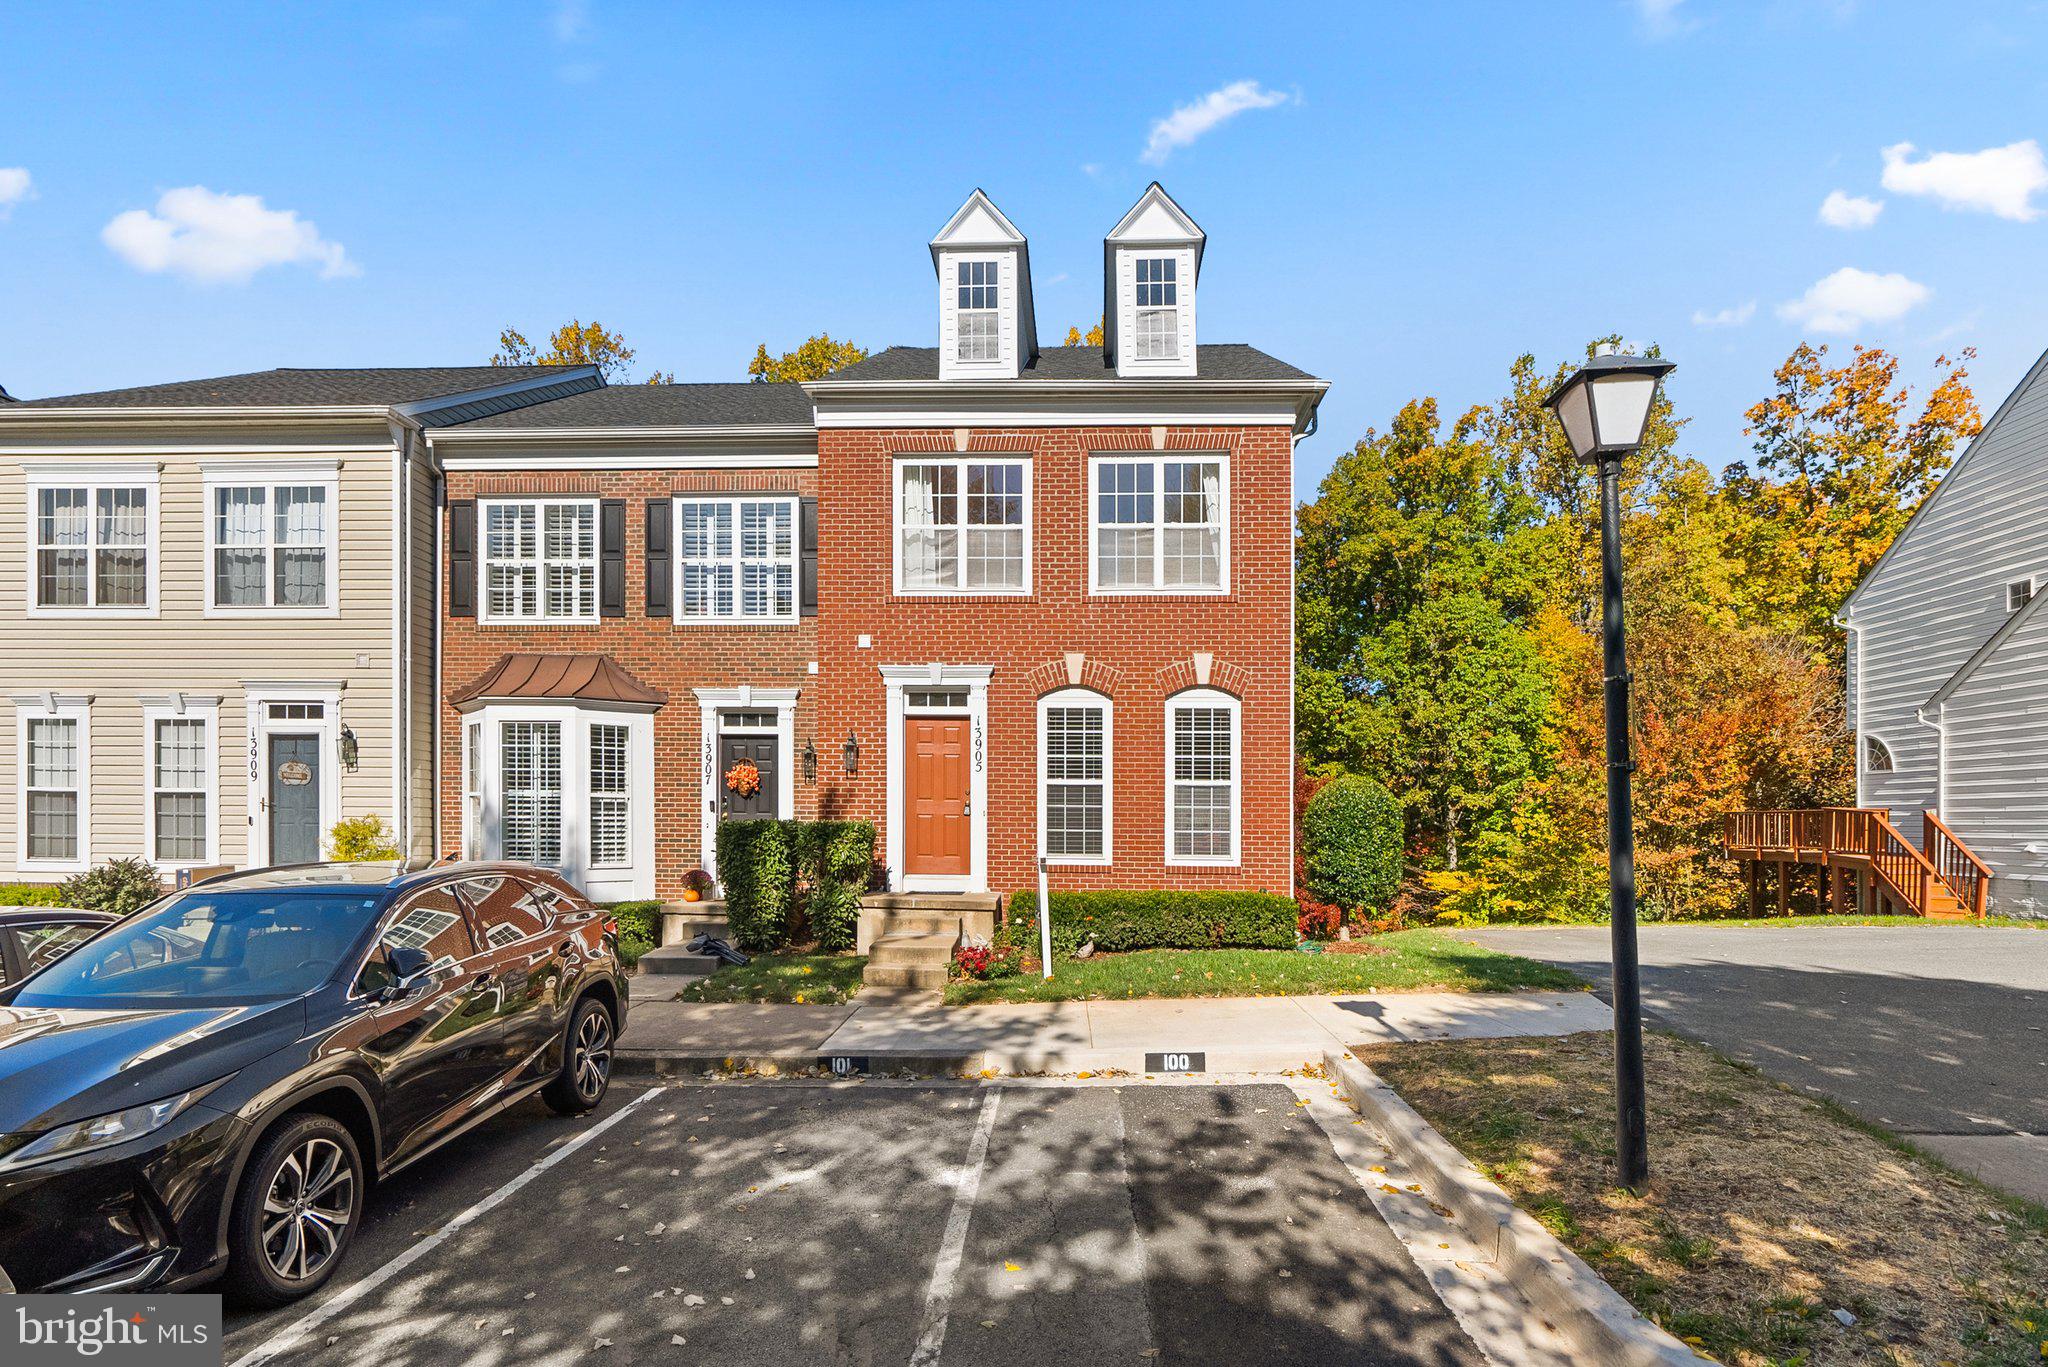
(1662, 19)
(16, 185)
(1997, 180)
(1190, 121)
(1725, 318)
(216, 238)
(1850, 298)
(1842, 210)
(570, 20)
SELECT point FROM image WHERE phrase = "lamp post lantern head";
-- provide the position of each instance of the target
(1605, 404)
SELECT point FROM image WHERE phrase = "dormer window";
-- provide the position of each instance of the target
(1158, 304)
(980, 311)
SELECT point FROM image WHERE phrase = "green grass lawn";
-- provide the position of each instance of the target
(806, 979)
(1404, 961)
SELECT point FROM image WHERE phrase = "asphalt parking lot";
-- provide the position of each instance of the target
(767, 1223)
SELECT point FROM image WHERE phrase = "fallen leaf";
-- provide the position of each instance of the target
(1011, 1267)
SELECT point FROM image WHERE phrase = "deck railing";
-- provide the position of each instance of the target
(1965, 875)
(1822, 834)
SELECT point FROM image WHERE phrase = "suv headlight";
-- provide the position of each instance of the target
(100, 1132)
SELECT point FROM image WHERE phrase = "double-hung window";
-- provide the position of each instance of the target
(1202, 778)
(1160, 525)
(180, 764)
(1158, 308)
(92, 544)
(736, 559)
(611, 798)
(273, 546)
(1074, 744)
(977, 313)
(540, 560)
(530, 787)
(963, 526)
(52, 739)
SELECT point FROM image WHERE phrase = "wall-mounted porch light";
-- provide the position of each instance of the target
(349, 752)
(810, 762)
(852, 752)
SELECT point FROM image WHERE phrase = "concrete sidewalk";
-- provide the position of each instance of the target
(1232, 1034)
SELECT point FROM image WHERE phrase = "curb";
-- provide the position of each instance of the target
(627, 1063)
(959, 1063)
(1601, 1325)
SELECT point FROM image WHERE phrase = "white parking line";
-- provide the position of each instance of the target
(292, 1334)
(938, 1301)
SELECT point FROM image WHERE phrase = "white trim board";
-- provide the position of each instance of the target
(710, 703)
(974, 678)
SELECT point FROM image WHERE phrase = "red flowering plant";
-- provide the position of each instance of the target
(986, 961)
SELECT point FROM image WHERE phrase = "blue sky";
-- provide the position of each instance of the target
(1405, 198)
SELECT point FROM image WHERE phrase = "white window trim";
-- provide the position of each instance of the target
(271, 476)
(1209, 697)
(994, 266)
(52, 707)
(736, 560)
(960, 463)
(540, 562)
(92, 477)
(1079, 697)
(180, 707)
(2028, 582)
(1172, 311)
(1863, 765)
(472, 787)
(1158, 460)
(258, 696)
(612, 882)
(712, 704)
(896, 679)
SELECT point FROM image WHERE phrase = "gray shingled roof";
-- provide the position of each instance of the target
(1213, 361)
(659, 405)
(304, 388)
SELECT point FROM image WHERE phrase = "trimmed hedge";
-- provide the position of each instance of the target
(1351, 845)
(1152, 920)
(639, 928)
(31, 895)
(779, 876)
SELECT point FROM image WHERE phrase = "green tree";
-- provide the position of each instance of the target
(816, 358)
(575, 343)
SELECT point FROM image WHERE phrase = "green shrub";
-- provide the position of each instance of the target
(31, 895)
(641, 919)
(1351, 845)
(841, 854)
(1120, 921)
(362, 840)
(755, 865)
(120, 886)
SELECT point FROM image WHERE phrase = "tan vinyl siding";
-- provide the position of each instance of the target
(425, 604)
(118, 661)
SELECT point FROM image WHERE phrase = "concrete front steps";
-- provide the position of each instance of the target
(682, 922)
(909, 937)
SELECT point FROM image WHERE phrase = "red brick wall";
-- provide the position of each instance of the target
(1140, 649)
(656, 650)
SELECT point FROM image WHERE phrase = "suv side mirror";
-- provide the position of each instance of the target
(408, 963)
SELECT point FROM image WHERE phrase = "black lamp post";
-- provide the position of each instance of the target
(1603, 409)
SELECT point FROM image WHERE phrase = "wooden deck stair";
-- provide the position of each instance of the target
(1861, 854)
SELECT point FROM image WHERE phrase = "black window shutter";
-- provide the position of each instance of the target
(611, 558)
(462, 557)
(659, 573)
(808, 597)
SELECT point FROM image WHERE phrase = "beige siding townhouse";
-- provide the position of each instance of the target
(218, 612)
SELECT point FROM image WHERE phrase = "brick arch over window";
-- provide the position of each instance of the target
(1058, 673)
(1216, 673)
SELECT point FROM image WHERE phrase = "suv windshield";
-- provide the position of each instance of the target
(211, 949)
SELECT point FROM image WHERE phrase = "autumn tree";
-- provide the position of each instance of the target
(1093, 337)
(575, 343)
(816, 358)
(1842, 461)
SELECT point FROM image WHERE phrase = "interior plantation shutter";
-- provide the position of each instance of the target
(611, 558)
(660, 574)
(808, 594)
(462, 557)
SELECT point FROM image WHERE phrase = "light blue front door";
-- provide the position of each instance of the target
(294, 799)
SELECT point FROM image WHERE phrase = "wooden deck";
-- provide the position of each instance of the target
(1862, 860)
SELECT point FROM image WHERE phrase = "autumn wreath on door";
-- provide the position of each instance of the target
(743, 778)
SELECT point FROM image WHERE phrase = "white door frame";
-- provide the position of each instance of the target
(974, 678)
(259, 695)
(710, 703)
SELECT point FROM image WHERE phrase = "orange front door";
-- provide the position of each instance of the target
(937, 829)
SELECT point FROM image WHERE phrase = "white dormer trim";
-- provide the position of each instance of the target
(981, 241)
(1155, 230)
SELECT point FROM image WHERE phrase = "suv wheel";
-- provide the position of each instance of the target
(586, 1061)
(299, 1205)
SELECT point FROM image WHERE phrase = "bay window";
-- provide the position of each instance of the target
(1159, 525)
(530, 791)
(567, 786)
(1203, 778)
(963, 526)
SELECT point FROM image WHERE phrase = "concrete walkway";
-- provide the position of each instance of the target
(1232, 1034)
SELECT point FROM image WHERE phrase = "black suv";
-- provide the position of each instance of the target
(212, 1083)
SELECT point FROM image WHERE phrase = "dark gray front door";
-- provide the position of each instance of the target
(760, 752)
(294, 799)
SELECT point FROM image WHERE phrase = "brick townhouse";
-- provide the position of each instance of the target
(1000, 599)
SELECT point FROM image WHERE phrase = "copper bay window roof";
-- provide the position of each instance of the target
(559, 678)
